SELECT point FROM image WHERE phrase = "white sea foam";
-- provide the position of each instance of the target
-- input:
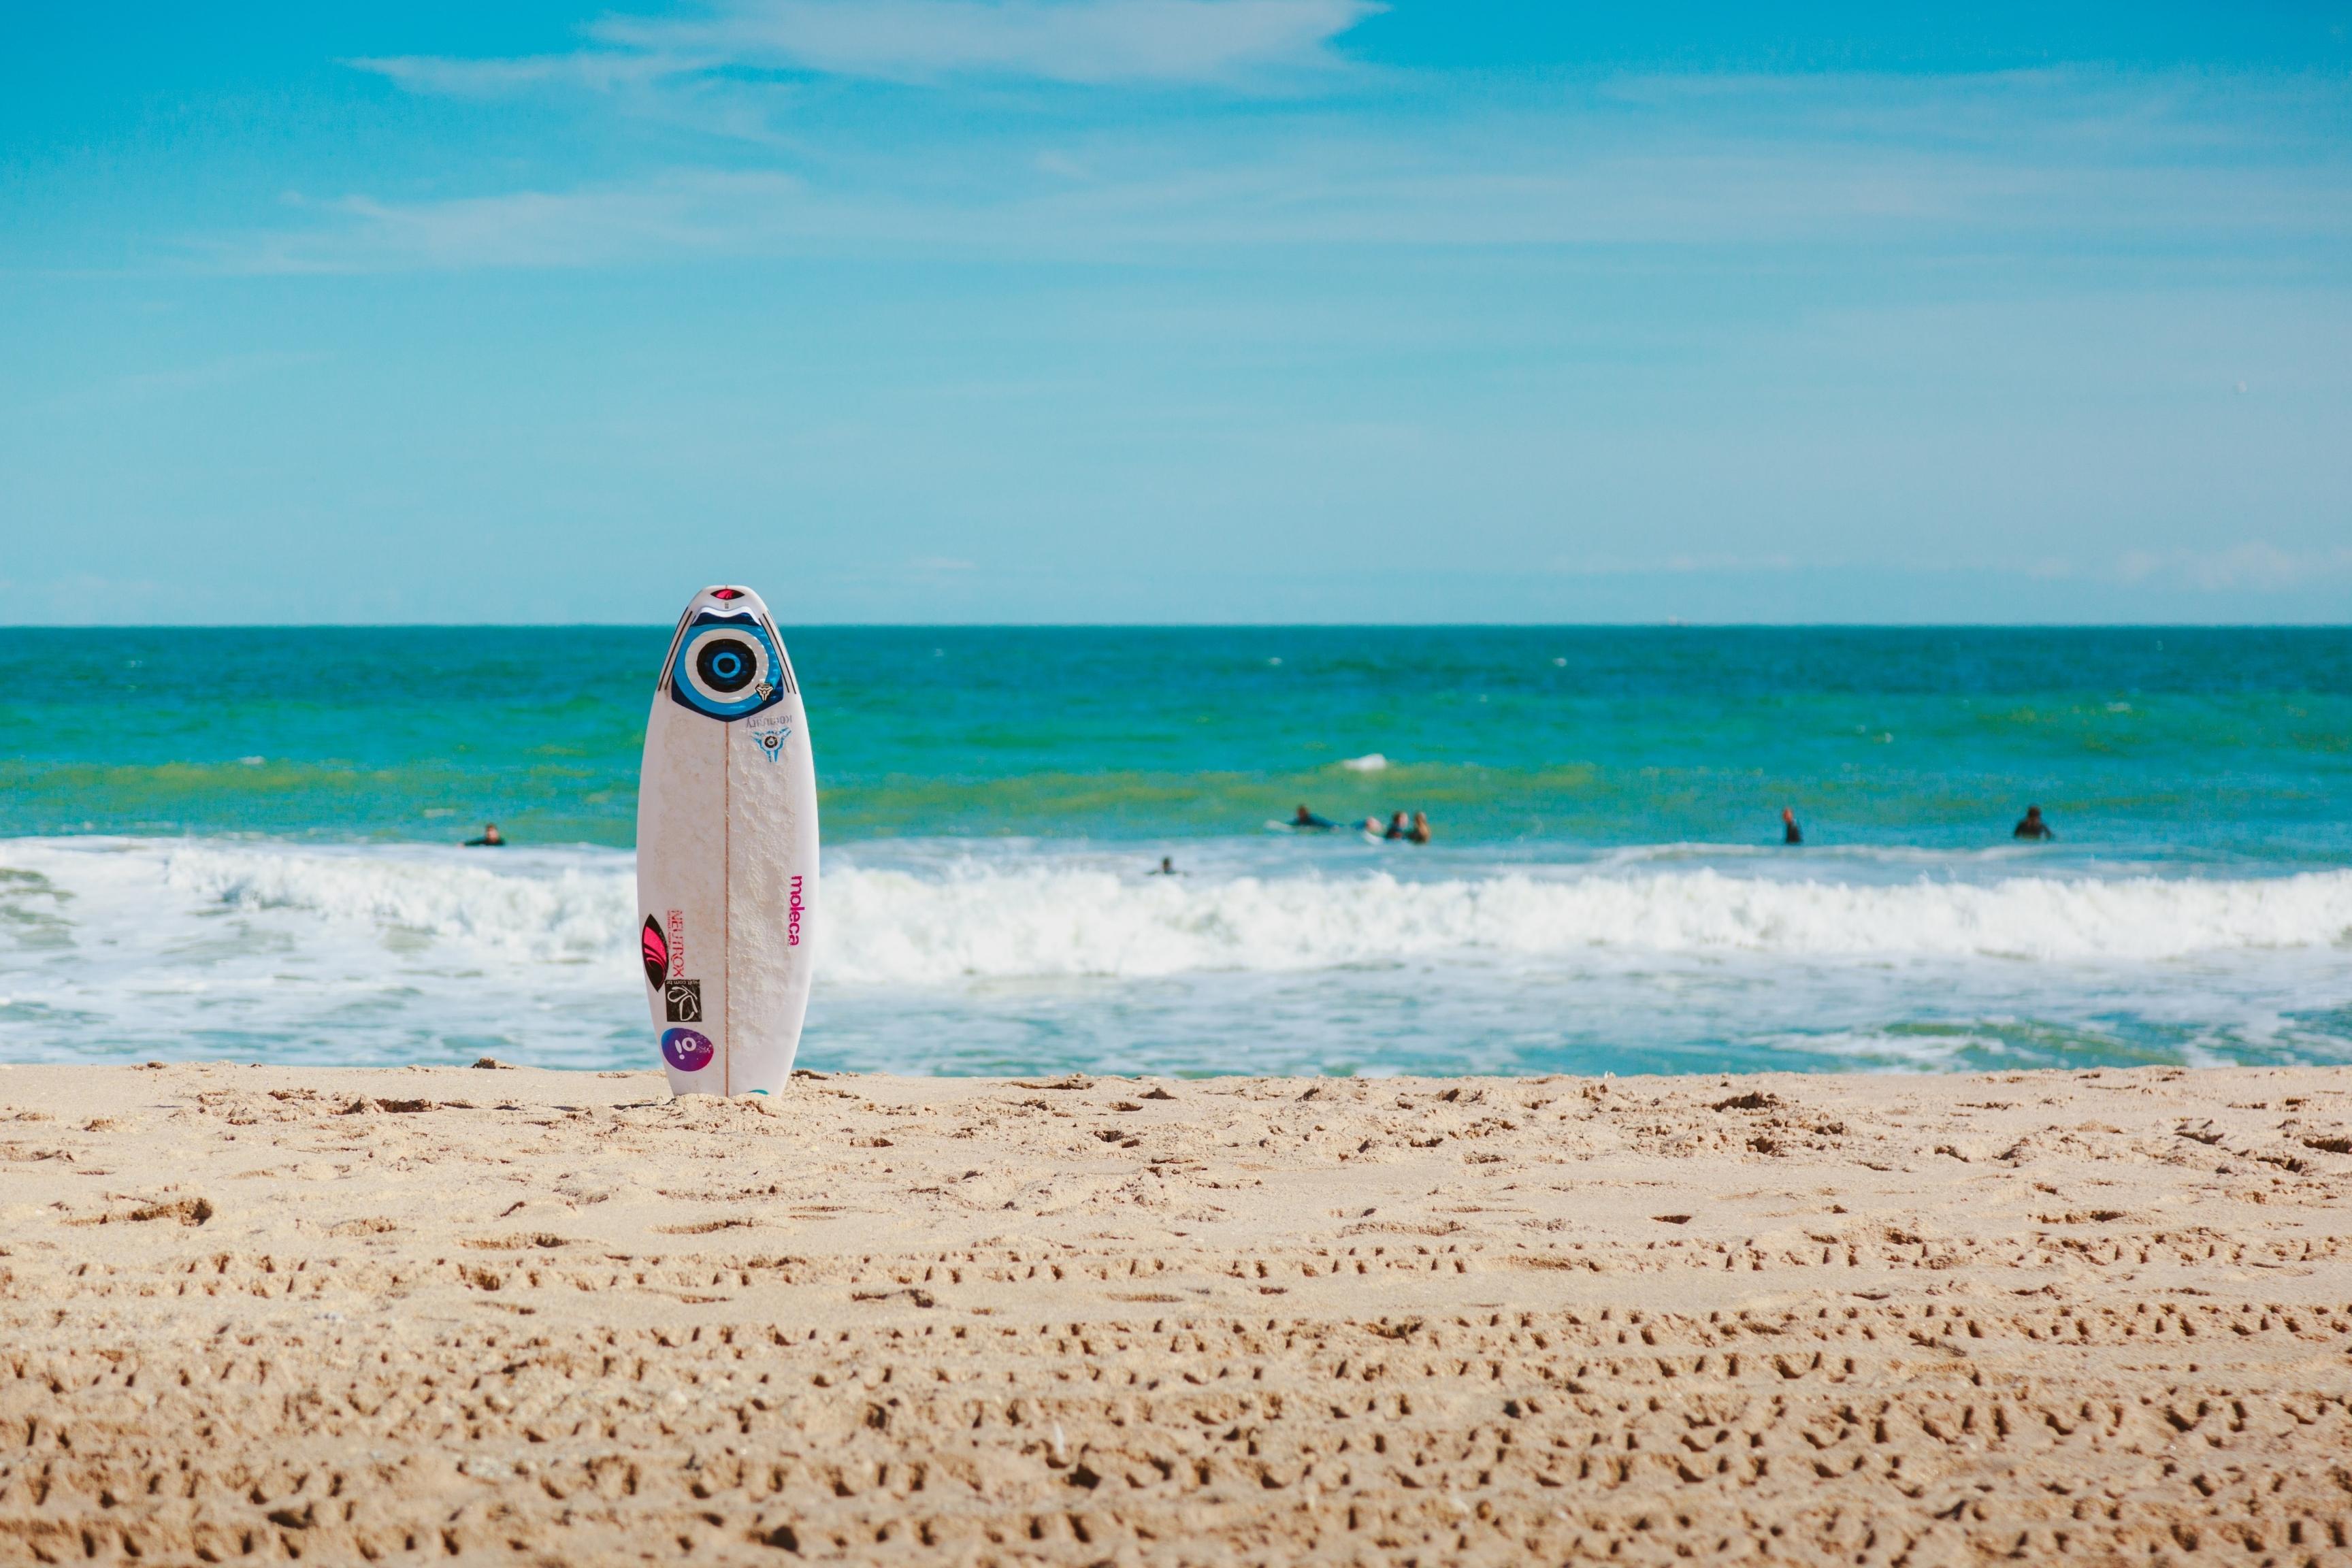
(390, 952)
(1051, 917)
(564, 907)
(892, 926)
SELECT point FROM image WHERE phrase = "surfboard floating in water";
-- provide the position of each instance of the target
(726, 851)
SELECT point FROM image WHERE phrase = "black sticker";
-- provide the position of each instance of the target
(685, 998)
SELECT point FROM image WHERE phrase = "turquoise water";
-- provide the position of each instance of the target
(2166, 741)
(240, 842)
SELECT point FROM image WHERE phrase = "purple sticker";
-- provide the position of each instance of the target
(686, 1050)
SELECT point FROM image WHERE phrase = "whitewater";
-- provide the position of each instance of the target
(969, 956)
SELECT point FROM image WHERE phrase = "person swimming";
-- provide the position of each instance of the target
(491, 838)
(1396, 828)
(1306, 821)
(2030, 826)
(1418, 832)
(1789, 832)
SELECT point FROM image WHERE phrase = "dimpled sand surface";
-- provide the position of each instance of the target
(494, 1315)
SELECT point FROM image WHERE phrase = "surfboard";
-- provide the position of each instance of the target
(726, 851)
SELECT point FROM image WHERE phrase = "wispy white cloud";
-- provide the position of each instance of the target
(1674, 563)
(459, 78)
(2082, 166)
(1092, 41)
(188, 382)
(1085, 42)
(1136, 204)
(694, 212)
(2257, 566)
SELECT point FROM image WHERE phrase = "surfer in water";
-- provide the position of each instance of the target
(491, 838)
(1397, 828)
(1418, 832)
(2030, 826)
(1167, 867)
(1306, 821)
(1789, 832)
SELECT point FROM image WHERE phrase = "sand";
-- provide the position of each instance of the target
(541, 1318)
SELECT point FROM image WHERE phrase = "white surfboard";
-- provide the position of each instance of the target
(726, 851)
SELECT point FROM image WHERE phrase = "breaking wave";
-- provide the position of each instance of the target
(895, 926)
(557, 906)
(945, 956)
(886, 926)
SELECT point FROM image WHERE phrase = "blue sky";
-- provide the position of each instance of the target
(1176, 310)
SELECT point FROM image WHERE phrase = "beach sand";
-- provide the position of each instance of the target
(529, 1317)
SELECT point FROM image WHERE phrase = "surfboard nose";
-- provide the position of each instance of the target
(727, 599)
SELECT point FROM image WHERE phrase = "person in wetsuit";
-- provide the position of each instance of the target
(1396, 827)
(1789, 832)
(491, 838)
(2030, 826)
(1418, 832)
(1306, 820)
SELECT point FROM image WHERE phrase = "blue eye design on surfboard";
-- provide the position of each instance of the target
(726, 667)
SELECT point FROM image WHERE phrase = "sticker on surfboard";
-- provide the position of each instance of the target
(726, 851)
(727, 662)
(656, 948)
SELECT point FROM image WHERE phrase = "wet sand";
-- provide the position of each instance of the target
(249, 1314)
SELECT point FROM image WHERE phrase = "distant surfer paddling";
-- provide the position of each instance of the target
(2030, 826)
(1306, 821)
(1400, 828)
(491, 838)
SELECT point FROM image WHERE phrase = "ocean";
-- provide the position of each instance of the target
(245, 844)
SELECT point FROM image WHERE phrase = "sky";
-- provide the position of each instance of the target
(1191, 311)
